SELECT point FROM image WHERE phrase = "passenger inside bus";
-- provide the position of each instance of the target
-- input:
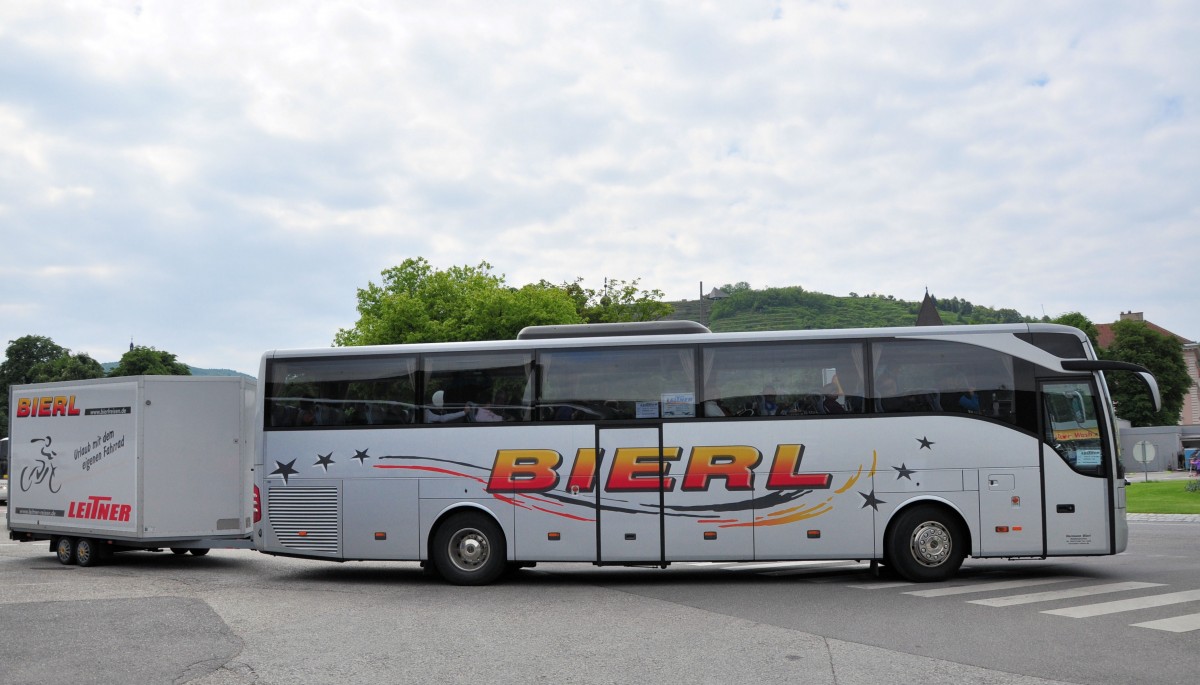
(435, 413)
(829, 403)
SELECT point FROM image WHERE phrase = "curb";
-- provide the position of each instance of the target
(1174, 518)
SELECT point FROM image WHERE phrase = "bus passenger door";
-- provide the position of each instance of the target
(1076, 469)
(629, 499)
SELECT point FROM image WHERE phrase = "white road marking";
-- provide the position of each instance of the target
(1072, 593)
(988, 587)
(1179, 624)
(1103, 608)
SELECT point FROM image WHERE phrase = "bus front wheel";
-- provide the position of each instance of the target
(469, 549)
(926, 544)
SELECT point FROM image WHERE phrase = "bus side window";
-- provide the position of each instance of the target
(477, 387)
(783, 379)
(913, 376)
(333, 392)
(618, 384)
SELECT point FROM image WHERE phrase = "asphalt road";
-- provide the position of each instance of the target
(236, 617)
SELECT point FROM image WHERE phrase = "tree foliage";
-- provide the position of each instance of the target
(68, 367)
(1134, 341)
(417, 303)
(1077, 320)
(618, 301)
(147, 361)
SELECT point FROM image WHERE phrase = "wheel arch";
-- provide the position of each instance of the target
(467, 507)
(949, 506)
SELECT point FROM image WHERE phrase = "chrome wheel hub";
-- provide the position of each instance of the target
(931, 544)
(469, 549)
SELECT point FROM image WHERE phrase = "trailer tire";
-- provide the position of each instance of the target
(469, 549)
(926, 544)
(88, 552)
(199, 551)
(64, 549)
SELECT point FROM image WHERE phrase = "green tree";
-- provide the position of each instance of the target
(147, 361)
(618, 301)
(740, 286)
(1081, 322)
(417, 303)
(1134, 341)
(68, 367)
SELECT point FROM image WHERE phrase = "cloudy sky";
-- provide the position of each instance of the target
(217, 179)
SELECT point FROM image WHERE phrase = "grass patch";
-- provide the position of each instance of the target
(1161, 497)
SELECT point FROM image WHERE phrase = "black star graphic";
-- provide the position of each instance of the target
(926, 443)
(361, 456)
(326, 460)
(285, 470)
(903, 472)
(871, 501)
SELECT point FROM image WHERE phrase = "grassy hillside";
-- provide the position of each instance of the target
(196, 371)
(797, 309)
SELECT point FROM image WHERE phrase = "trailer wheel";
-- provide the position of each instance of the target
(88, 552)
(199, 551)
(469, 549)
(926, 544)
(64, 549)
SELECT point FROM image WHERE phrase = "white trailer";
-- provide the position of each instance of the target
(141, 462)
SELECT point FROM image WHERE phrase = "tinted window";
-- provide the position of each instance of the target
(604, 384)
(1062, 345)
(788, 379)
(311, 393)
(483, 388)
(936, 376)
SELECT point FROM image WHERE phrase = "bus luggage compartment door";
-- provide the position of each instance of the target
(629, 510)
(1010, 512)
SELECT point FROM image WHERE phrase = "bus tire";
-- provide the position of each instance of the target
(88, 552)
(469, 549)
(64, 549)
(179, 550)
(199, 551)
(926, 544)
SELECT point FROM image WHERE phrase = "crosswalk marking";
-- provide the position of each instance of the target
(1178, 624)
(1103, 608)
(1071, 593)
(851, 575)
(988, 587)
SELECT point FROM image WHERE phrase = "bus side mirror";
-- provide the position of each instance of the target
(1142, 373)
(1152, 386)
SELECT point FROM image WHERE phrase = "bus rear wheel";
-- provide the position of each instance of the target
(469, 549)
(926, 544)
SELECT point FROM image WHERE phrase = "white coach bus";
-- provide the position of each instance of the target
(647, 444)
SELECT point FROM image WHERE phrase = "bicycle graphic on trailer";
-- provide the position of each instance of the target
(44, 471)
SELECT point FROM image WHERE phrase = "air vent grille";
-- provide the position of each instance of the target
(305, 519)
